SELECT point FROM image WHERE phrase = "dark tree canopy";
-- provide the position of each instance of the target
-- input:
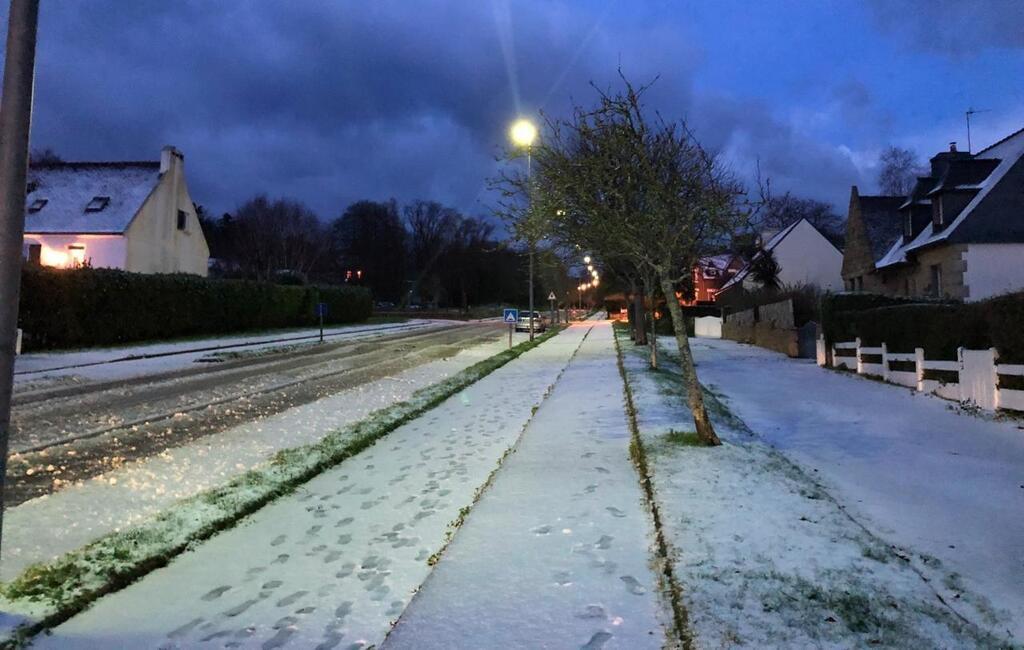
(370, 238)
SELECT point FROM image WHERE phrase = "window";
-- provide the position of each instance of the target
(35, 253)
(37, 205)
(908, 227)
(76, 255)
(182, 219)
(936, 272)
(97, 203)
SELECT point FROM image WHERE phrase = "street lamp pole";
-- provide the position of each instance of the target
(529, 198)
(523, 134)
(15, 123)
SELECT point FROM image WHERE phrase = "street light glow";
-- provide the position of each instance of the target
(586, 259)
(590, 267)
(523, 132)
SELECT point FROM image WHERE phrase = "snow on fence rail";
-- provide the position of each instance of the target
(974, 377)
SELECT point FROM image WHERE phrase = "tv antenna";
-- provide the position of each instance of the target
(969, 113)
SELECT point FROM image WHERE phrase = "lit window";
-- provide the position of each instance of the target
(76, 255)
(37, 205)
(97, 203)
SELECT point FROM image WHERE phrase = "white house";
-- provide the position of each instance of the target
(804, 256)
(135, 216)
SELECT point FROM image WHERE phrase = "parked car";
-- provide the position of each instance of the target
(539, 325)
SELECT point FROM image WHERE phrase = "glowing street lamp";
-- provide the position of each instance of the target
(586, 259)
(523, 132)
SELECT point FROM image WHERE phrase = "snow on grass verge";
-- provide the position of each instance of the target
(46, 594)
(763, 554)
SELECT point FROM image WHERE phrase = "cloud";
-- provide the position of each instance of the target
(332, 102)
(952, 27)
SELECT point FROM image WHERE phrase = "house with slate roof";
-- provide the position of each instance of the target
(959, 234)
(135, 216)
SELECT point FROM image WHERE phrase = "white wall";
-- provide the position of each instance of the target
(806, 257)
(992, 269)
(708, 327)
(103, 251)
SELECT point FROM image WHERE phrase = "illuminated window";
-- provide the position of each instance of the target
(97, 203)
(76, 255)
(37, 205)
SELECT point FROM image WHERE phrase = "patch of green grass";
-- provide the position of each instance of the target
(53, 592)
(683, 438)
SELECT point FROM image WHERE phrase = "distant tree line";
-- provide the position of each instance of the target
(421, 253)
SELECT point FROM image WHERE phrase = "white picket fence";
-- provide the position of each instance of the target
(977, 372)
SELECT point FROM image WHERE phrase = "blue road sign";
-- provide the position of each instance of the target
(511, 316)
(321, 309)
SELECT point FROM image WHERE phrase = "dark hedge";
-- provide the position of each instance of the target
(92, 307)
(938, 328)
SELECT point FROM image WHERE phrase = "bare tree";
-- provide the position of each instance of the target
(781, 211)
(431, 228)
(645, 189)
(277, 235)
(898, 171)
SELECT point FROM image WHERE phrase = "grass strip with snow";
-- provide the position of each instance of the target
(765, 554)
(49, 593)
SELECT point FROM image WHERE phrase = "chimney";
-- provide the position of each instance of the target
(952, 147)
(169, 156)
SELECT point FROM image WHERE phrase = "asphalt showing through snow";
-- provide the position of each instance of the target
(337, 562)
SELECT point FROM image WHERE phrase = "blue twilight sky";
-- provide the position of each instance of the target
(330, 101)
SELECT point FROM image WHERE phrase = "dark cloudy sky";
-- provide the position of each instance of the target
(333, 101)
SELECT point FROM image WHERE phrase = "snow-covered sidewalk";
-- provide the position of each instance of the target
(339, 559)
(765, 550)
(944, 484)
(108, 364)
(556, 553)
(48, 526)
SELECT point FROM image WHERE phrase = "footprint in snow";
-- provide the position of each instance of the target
(277, 541)
(633, 585)
(615, 511)
(291, 598)
(597, 641)
(344, 522)
(279, 639)
(541, 530)
(602, 470)
(273, 584)
(184, 629)
(214, 594)
(592, 611)
(562, 578)
(604, 543)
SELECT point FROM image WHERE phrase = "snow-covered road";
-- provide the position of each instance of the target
(556, 553)
(925, 476)
(44, 527)
(339, 560)
(39, 369)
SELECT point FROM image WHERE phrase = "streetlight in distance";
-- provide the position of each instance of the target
(523, 133)
(586, 259)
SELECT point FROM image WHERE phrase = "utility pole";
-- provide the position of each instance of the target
(969, 113)
(15, 122)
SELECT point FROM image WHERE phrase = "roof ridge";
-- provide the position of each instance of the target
(999, 142)
(91, 163)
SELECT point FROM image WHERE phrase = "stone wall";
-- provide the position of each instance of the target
(767, 326)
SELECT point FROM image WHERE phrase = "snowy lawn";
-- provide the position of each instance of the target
(765, 554)
(41, 369)
(945, 485)
(340, 557)
(556, 553)
(130, 494)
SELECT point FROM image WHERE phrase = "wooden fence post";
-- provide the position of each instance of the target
(919, 368)
(860, 366)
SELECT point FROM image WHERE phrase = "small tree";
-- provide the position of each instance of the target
(765, 269)
(643, 189)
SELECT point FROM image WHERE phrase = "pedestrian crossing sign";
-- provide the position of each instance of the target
(511, 316)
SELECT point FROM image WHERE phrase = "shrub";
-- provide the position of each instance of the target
(938, 328)
(89, 307)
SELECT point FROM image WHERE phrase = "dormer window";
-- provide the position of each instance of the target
(97, 203)
(37, 205)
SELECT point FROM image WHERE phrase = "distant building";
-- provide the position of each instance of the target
(804, 255)
(135, 216)
(709, 276)
(959, 234)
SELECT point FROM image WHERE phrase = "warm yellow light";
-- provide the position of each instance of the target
(586, 259)
(51, 257)
(596, 282)
(523, 133)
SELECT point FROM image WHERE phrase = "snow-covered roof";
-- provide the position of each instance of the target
(768, 246)
(720, 262)
(1000, 157)
(69, 188)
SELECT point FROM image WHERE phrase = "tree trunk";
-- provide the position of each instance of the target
(639, 314)
(694, 397)
(654, 335)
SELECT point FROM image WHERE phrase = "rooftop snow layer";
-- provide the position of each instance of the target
(69, 187)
